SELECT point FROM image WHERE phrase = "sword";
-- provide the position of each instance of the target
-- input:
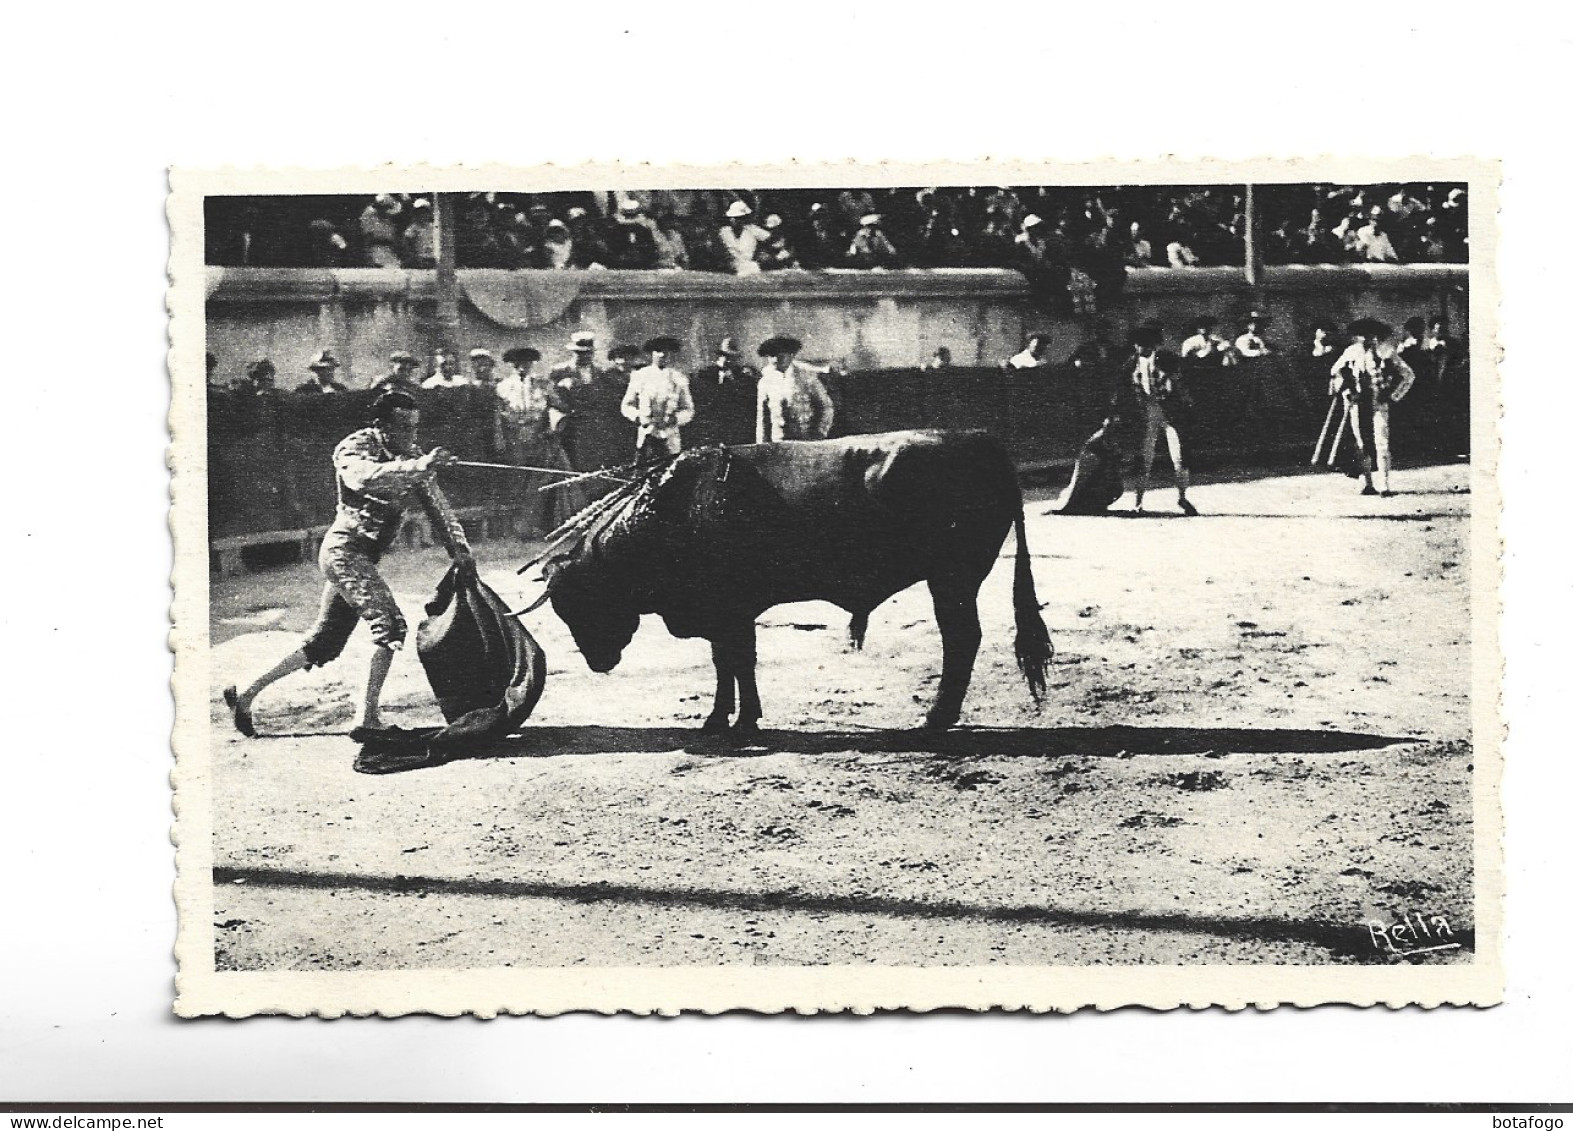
(1321, 441)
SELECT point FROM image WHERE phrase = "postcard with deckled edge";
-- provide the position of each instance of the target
(836, 589)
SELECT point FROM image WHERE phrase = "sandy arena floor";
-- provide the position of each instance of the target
(1257, 736)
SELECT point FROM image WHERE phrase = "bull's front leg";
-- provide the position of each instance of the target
(745, 658)
(721, 714)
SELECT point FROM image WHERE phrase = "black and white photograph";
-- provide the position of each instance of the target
(947, 593)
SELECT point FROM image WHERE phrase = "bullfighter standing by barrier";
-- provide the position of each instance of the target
(1370, 383)
(587, 414)
(659, 402)
(793, 402)
(525, 438)
(1153, 385)
(380, 473)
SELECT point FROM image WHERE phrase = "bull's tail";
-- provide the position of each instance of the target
(1034, 649)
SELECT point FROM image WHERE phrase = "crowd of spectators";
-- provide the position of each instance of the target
(1074, 239)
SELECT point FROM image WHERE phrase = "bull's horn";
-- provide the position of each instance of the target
(535, 604)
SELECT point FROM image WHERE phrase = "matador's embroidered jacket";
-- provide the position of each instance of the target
(377, 483)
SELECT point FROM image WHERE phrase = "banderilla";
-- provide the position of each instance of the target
(572, 476)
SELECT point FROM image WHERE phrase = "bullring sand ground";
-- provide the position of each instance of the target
(1257, 737)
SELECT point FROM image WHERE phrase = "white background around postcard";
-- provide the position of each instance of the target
(100, 102)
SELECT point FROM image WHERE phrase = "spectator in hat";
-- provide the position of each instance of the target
(525, 438)
(624, 359)
(630, 241)
(1034, 355)
(939, 361)
(586, 413)
(724, 399)
(659, 402)
(401, 374)
(259, 380)
(483, 367)
(556, 251)
(871, 248)
(741, 239)
(445, 371)
(379, 234)
(792, 402)
(1251, 343)
(322, 367)
(418, 243)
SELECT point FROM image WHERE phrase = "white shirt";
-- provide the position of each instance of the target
(659, 401)
(741, 245)
(457, 381)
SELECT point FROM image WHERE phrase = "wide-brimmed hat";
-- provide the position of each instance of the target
(622, 351)
(403, 357)
(261, 368)
(1032, 221)
(870, 220)
(628, 204)
(664, 344)
(519, 355)
(1369, 328)
(781, 343)
(582, 342)
(324, 360)
(738, 209)
(479, 353)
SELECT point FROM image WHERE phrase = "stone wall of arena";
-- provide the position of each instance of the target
(863, 320)
(270, 481)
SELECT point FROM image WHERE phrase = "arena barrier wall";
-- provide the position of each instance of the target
(269, 457)
(271, 480)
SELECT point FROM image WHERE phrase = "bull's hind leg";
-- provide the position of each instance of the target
(721, 714)
(857, 629)
(956, 610)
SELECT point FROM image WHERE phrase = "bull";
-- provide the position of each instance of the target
(715, 536)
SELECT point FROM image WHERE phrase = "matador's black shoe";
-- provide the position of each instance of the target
(1187, 509)
(242, 717)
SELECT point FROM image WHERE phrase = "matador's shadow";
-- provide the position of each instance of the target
(967, 742)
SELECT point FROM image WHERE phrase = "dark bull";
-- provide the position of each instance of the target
(713, 538)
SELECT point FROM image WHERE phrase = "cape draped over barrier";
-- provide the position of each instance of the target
(521, 300)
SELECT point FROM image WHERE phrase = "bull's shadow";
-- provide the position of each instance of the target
(966, 742)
